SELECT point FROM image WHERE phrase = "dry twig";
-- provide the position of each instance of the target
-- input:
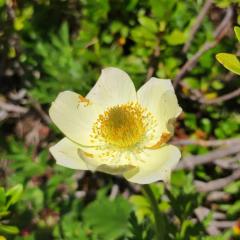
(38, 108)
(192, 161)
(223, 224)
(222, 98)
(153, 62)
(218, 35)
(9, 107)
(218, 196)
(197, 24)
(205, 143)
(217, 184)
(228, 163)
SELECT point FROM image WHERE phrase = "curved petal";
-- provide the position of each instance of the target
(74, 115)
(158, 96)
(113, 87)
(155, 165)
(90, 157)
(66, 154)
(169, 111)
(115, 164)
(116, 170)
(150, 93)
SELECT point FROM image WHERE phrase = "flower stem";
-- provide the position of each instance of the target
(159, 221)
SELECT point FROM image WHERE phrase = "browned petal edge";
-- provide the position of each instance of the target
(84, 100)
(165, 137)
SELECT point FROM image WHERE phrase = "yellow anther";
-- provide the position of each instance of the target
(122, 126)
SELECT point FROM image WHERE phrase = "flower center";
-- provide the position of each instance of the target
(122, 126)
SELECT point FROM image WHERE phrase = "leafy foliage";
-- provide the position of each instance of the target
(7, 199)
(105, 210)
(230, 61)
(48, 46)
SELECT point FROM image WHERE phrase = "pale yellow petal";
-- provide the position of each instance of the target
(74, 115)
(169, 111)
(66, 154)
(90, 157)
(155, 165)
(115, 164)
(116, 170)
(158, 96)
(150, 93)
(113, 87)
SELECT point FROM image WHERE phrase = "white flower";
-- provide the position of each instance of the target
(116, 130)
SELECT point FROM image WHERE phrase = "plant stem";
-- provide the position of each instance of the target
(159, 221)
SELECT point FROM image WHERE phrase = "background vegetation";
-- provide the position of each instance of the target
(47, 46)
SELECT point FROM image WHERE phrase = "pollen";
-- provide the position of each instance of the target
(122, 126)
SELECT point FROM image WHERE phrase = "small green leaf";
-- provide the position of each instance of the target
(64, 33)
(176, 37)
(141, 205)
(237, 32)
(234, 208)
(9, 229)
(233, 188)
(108, 219)
(4, 213)
(2, 197)
(148, 23)
(229, 61)
(2, 3)
(14, 193)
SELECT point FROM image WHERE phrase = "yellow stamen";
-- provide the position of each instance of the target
(122, 126)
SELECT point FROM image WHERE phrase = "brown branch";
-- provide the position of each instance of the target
(217, 184)
(218, 196)
(222, 98)
(9, 107)
(204, 143)
(223, 224)
(197, 24)
(202, 212)
(218, 35)
(38, 108)
(230, 163)
(214, 226)
(153, 62)
(192, 61)
(192, 161)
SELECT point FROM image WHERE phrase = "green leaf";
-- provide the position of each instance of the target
(8, 229)
(176, 37)
(2, 197)
(148, 23)
(64, 33)
(229, 61)
(237, 32)
(14, 193)
(2, 3)
(162, 9)
(108, 219)
(141, 206)
(233, 188)
(234, 209)
(4, 213)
